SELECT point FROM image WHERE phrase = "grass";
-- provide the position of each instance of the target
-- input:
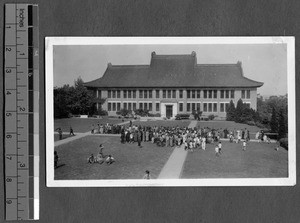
(82, 124)
(64, 136)
(259, 160)
(131, 161)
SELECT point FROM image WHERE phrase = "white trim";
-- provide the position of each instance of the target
(287, 181)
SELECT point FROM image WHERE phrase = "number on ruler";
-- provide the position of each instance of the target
(8, 136)
(8, 157)
(8, 49)
(8, 71)
(8, 114)
(21, 108)
(22, 164)
(8, 179)
(8, 92)
(8, 201)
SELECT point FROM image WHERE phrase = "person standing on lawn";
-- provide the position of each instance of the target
(56, 158)
(101, 149)
(139, 138)
(71, 131)
(147, 175)
(244, 145)
(59, 133)
(220, 147)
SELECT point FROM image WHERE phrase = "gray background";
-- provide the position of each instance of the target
(162, 18)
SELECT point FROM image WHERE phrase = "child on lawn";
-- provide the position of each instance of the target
(244, 145)
(217, 150)
(220, 147)
(110, 160)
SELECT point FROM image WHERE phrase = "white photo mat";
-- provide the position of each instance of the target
(290, 180)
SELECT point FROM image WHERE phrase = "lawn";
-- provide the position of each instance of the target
(131, 161)
(82, 124)
(64, 136)
(259, 160)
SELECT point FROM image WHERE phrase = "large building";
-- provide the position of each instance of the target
(174, 84)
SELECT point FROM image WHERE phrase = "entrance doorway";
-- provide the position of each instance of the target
(169, 111)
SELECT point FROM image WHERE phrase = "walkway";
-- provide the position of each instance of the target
(81, 135)
(174, 165)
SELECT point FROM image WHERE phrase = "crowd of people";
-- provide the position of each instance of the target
(192, 138)
(106, 129)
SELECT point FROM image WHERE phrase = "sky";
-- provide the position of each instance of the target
(265, 63)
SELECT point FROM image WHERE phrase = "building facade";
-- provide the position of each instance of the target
(174, 84)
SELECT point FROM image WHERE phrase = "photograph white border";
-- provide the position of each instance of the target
(288, 181)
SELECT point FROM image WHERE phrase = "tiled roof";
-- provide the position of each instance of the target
(174, 71)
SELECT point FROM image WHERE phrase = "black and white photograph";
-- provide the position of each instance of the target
(170, 111)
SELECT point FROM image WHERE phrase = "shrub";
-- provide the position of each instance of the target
(141, 112)
(250, 123)
(284, 142)
(211, 117)
(154, 115)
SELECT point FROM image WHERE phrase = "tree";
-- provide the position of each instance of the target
(282, 124)
(82, 99)
(124, 112)
(230, 112)
(274, 121)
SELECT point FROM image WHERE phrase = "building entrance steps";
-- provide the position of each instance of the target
(174, 165)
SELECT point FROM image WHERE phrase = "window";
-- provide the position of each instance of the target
(169, 93)
(150, 93)
(114, 106)
(157, 93)
(209, 107)
(193, 94)
(118, 106)
(210, 94)
(150, 106)
(227, 93)
(205, 107)
(157, 106)
(145, 106)
(145, 93)
(232, 94)
(109, 94)
(124, 94)
(164, 94)
(141, 94)
(188, 92)
(215, 94)
(114, 94)
(248, 94)
(243, 93)
(222, 109)
(198, 107)
(174, 94)
(198, 93)
(134, 106)
(215, 107)
(188, 108)
(141, 106)
(134, 94)
(125, 105)
(180, 107)
(109, 106)
(193, 106)
(129, 106)
(129, 94)
(180, 93)
(205, 93)
(118, 94)
(222, 94)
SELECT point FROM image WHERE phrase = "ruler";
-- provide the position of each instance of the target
(21, 114)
